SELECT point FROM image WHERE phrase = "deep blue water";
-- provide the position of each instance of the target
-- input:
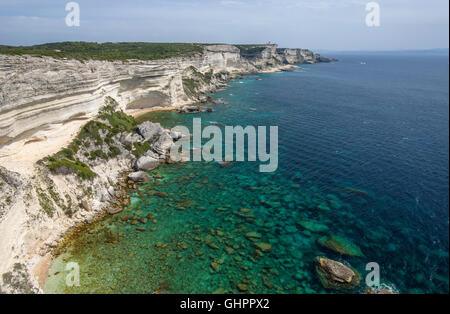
(382, 127)
(364, 150)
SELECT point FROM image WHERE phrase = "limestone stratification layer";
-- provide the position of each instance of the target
(40, 91)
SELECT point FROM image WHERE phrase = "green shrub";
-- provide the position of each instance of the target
(118, 120)
(114, 151)
(77, 167)
(45, 202)
(98, 153)
(140, 149)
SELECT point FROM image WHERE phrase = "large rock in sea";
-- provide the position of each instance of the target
(340, 245)
(138, 176)
(335, 275)
(146, 163)
(163, 144)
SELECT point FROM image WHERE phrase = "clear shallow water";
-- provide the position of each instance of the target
(363, 151)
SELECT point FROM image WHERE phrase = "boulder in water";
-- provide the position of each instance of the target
(335, 275)
(138, 176)
(146, 163)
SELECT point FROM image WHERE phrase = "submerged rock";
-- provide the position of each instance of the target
(225, 164)
(114, 210)
(335, 275)
(340, 245)
(220, 291)
(243, 287)
(253, 235)
(264, 247)
(215, 266)
(161, 194)
(313, 226)
(212, 245)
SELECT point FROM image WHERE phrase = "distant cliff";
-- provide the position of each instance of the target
(39, 91)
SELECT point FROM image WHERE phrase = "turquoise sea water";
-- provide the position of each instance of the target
(363, 155)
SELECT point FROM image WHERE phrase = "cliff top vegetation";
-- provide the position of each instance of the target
(106, 51)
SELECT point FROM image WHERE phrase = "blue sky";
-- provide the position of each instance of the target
(315, 24)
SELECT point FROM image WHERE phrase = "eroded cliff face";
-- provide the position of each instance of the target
(37, 92)
(44, 102)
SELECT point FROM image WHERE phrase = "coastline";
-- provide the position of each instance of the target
(67, 236)
(36, 254)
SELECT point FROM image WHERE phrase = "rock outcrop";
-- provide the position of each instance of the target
(10, 182)
(146, 163)
(335, 275)
(138, 176)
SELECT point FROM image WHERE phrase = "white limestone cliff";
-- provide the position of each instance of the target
(45, 101)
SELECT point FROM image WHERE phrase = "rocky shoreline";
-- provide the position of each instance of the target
(82, 183)
(87, 178)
